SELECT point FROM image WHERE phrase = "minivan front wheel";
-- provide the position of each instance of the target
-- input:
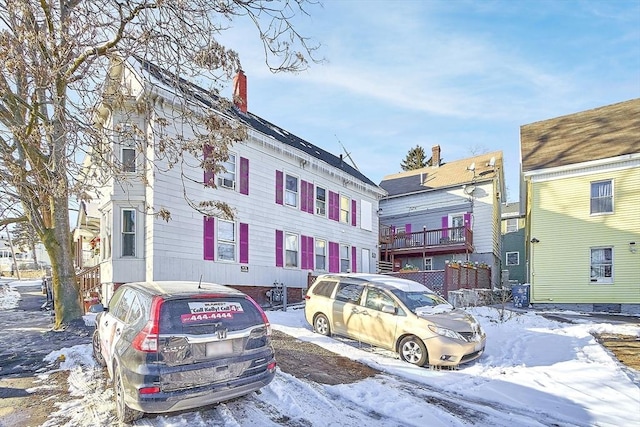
(123, 412)
(321, 325)
(413, 350)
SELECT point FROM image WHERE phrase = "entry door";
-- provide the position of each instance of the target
(457, 234)
(366, 261)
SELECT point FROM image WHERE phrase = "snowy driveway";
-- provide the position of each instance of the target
(535, 372)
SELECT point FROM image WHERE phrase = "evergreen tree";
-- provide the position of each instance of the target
(416, 159)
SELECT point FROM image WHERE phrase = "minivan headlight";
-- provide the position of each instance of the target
(446, 332)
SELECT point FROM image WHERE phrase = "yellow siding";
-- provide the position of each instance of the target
(560, 219)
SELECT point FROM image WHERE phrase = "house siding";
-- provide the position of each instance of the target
(178, 243)
(427, 209)
(561, 221)
(175, 249)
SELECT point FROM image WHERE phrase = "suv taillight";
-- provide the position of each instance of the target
(265, 319)
(147, 338)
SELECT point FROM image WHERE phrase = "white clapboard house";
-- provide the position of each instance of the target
(299, 210)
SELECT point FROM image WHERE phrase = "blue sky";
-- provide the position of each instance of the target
(461, 74)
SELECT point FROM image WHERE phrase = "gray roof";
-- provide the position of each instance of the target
(261, 125)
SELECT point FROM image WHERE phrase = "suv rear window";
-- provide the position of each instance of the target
(324, 288)
(206, 316)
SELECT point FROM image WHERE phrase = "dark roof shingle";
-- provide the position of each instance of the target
(261, 125)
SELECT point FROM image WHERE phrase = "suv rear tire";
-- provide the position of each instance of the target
(123, 412)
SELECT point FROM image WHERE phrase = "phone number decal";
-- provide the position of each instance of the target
(189, 318)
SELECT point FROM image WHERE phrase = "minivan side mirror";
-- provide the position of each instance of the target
(389, 309)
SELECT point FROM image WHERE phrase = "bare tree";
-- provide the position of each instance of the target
(25, 236)
(54, 56)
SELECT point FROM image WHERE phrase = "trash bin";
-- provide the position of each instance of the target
(520, 295)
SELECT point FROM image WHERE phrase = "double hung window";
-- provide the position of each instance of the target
(226, 240)
(602, 197)
(128, 233)
(602, 265)
(291, 191)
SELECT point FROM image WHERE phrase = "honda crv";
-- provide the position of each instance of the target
(171, 346)
(397, 314)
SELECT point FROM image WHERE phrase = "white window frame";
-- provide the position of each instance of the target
(227, 178)
(125, 234)
(346, 261)
(345, 212)
(512, 225)
(428, 263)
(105, 239)
(226, 241)
(320, 204)
(595, 200)
(506, 256)
(320, 253)
(290, 194)
(600, 265)
(128, 140)
(291, 250)
(456, 235)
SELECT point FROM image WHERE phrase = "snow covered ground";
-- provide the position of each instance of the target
(535, 372)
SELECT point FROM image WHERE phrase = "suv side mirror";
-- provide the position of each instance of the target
(97, 308)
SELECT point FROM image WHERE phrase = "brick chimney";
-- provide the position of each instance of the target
(240, 91)
(435, 156)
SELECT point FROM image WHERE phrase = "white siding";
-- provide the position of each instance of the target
(174, 249)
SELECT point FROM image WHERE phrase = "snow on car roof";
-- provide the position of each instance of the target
(387, 281)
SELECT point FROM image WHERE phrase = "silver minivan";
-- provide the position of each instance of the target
(397, 314)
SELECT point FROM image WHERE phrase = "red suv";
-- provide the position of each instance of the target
(171, 346)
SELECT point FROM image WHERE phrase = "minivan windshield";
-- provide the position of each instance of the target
(416, 300)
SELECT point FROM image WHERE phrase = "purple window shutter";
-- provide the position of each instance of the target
(407, 228)
(310, 247)
(334, 257)
(334, 206)
(244, 176)
(354, 263)
(208, 178)
(244, 243)
(445, 226)
(354, 215)
(279, 184)
(306, 243)
(310, 200)
(303, 252)
(331, 202)
(303, 196)
(208, 241)
(279, 248)
(467, 220)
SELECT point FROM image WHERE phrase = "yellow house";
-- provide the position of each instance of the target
(581, 176)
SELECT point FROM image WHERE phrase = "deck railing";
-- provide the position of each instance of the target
(390, 240)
